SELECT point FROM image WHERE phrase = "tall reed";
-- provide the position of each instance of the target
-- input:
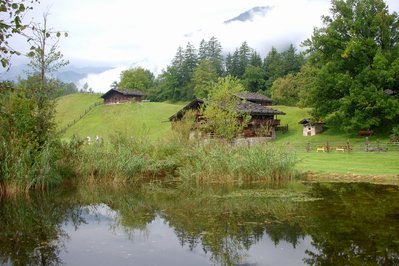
(26, 168)
(131, 159)
(223, 163)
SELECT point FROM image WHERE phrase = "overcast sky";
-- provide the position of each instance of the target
(147, 33)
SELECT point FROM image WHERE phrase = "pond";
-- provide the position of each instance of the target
(286, 224)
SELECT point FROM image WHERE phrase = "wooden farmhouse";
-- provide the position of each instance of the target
(115, 96)
(310, 127)
(261, 117)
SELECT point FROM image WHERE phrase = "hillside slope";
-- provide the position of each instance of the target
(71, 106)
(132, 119)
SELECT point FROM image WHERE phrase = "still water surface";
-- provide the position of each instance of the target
(296, 224)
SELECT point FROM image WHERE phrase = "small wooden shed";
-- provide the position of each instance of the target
(115, 96)
(311, 127)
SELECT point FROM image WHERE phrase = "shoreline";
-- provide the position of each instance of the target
(351, 178)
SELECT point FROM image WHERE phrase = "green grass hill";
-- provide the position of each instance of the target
(131, 119)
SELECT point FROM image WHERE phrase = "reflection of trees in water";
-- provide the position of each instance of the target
(228, 239)
(356, 224)
(227, 228)
(31, 231)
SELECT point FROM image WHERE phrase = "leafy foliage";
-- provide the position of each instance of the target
(203, 77)
(11, 15)
(221, 110)
(357, 54)
(292, 89)
(137, 78)
(30, 151)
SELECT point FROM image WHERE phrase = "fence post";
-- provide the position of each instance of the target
(366, 144)
(308, 147)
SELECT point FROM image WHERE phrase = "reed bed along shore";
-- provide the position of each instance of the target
(138, 160)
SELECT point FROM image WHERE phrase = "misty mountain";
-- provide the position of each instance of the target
(250, 14)
(67, 74)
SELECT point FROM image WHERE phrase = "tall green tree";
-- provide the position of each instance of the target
(190, 62)
(255, 59)
(167, 85)
(292, 61)
(293, 89)
(137, 78)
(215, 54)
(45, 60)
(205, 74)
(357, 55)
(273, 66)
(203, 51)
(253, 79)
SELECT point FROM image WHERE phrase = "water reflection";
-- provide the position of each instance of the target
(316, 224)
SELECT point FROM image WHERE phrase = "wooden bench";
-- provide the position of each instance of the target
(365, 133)
(322, 148)
(343, 148)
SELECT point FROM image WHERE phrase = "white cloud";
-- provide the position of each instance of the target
(101, 82)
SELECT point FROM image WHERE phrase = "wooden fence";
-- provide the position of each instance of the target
(345, 146)
(91, 107)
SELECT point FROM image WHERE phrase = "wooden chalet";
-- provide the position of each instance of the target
(263, 119)
(115, 96)
(255, 97)
(311, 127)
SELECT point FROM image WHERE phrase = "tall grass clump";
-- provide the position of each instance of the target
(127, 159)
(224, 163)
(23, 168)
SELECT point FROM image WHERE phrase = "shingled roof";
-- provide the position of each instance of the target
(311, 121)
(256, 109)
(124, 92)
(242, 107)
(191, 105)
(253, 97)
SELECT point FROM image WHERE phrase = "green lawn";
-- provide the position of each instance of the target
(71, 106)
(356, 162)
(131, 119)
(363, 163)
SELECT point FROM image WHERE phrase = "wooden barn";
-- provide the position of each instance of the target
(255, 97)
(310, 127)
(115, 96)
(261, 117)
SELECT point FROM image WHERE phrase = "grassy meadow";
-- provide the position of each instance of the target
(149, 120)
(356, 162)
(132, 119)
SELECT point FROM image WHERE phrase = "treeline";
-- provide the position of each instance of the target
(192, 71)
